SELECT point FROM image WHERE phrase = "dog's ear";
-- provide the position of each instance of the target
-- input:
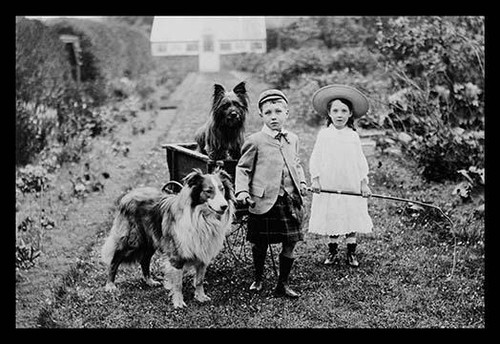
(219, 91)
(193, 178)
(228, 185)
(240, 88)
(241, 92)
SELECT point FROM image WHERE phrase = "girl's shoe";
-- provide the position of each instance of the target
(256, 286)
(332, 258)
(351, 255)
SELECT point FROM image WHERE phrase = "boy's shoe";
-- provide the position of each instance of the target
(283, 289)
(351, 255)
(332, 254)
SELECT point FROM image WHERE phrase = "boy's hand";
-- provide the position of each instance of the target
(243, 198)
(303, 189)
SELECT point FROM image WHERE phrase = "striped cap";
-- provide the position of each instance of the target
(270, 95)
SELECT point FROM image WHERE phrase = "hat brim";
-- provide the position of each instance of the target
(324, 95)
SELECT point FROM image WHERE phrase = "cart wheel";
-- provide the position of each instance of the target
(236, 242)
(172, 187)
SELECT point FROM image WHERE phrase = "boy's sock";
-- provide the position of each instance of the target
(259, 258)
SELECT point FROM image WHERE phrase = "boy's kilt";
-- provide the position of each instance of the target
(282, 223)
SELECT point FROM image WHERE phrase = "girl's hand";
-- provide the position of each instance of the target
(365, 190)
(316, 186)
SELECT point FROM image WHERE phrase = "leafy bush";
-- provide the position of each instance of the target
(42, 69)
(32, 178)
(281, 68)
(437, 60)
(291, 64)
(442, 153)
(110, 51)
(325, 32)
(32, 132)
(43, 76)
(436, 65)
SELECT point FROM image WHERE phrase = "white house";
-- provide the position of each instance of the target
(207, 37)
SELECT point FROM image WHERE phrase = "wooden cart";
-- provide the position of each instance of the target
(181, 159)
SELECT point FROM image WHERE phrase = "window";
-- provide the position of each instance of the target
(161, 48)
(225, 46)
(256, 46)
(192, 46)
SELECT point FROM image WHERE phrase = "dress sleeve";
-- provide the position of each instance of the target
(298, 163)
(362, 162)
(315, 159)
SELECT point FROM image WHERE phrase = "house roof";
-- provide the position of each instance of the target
(191, 28)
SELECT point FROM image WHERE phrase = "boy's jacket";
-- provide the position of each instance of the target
(260, 167)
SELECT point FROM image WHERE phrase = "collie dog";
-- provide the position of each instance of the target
(221, 137)
(187, 228)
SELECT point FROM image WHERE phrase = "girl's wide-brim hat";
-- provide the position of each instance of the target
(324, 95)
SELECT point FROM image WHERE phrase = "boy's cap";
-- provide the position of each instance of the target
(270, 95)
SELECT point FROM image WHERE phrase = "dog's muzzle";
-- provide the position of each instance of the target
(222, 208)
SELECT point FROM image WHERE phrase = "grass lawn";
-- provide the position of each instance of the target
(402, 280)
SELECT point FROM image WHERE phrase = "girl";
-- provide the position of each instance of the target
(337, 163)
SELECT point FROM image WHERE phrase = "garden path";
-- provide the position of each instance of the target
(82, 225)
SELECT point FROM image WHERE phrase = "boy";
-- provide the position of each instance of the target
(270, 174)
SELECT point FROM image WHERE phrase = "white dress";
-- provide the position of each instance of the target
(338, 159)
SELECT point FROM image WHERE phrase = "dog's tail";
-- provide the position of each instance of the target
(109, 247)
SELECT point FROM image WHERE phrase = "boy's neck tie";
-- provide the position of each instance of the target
(281, 134)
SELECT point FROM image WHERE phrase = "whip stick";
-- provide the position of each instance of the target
(350, 193)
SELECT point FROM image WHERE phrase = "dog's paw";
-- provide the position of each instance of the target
(202, 297)
(111, 287)
(153, 283)
(178, 302)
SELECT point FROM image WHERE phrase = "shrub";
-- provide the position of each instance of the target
(32, 131)
(436, 65)
(439, 60)
(109, 51)
(324, 32)
(443, 153)
(42, 68)
(43, 76)
(32, 178)
(358, 59)
(293, 63)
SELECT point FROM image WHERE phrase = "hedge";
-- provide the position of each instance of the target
(44, 83)
(43, 76)
(110, 51)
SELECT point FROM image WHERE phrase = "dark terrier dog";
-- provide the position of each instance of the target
(222, 135)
